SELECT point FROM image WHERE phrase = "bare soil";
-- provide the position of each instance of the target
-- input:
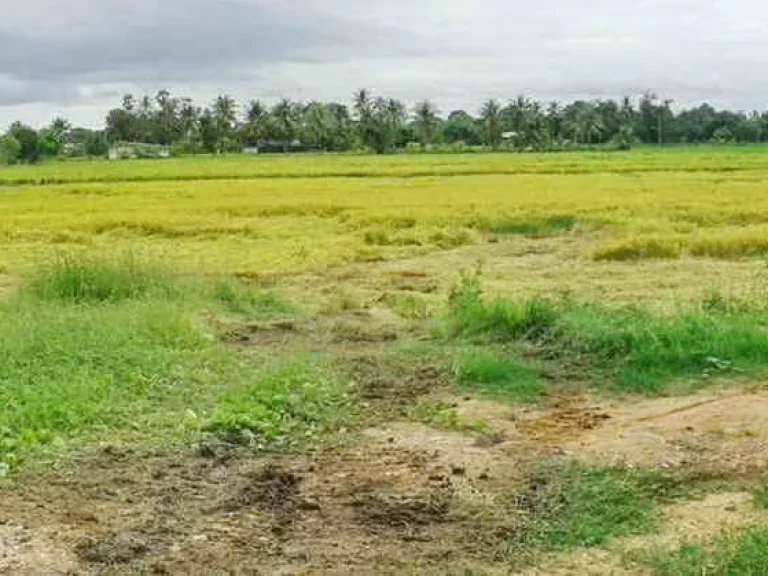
(402, 498)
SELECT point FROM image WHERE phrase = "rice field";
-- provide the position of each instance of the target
(253, 219)
(470, 364)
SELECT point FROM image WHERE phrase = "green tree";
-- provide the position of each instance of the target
(490, 116)
(461, 127)
(286, 122)
(10, 149)
(224, 116)
(29, 144)
(427, 122)
(256, 123)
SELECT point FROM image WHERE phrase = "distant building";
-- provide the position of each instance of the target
(133, 150)
(272, 146)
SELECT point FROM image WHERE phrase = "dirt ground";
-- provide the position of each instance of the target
(393, 500)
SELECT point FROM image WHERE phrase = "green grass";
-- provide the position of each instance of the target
(471, 315)
(89, 278)
(636, 349)
(292, 401)
(94, 348)
(761, 495)
(499, 376)
(744, 554)
(66, 371)
(239, 298)
(571, 505)
(723, 159)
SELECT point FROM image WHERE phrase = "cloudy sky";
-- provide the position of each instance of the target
(77, 57)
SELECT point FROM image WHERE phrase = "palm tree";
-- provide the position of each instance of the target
(224, 120)
(427, 122)
(286, 115)
(490, 116)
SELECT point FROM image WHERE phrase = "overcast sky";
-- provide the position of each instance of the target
(78, 57)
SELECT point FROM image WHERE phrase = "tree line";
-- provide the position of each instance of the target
(384, 125)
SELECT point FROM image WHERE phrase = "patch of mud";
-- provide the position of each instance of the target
(404, 512)
(255, 333)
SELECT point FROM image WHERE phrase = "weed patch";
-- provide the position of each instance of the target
(733, 555)
(66, 371)
(638, 350)
(88, 278)
(295, 400)
(571, 505)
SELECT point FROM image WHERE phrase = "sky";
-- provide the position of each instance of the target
(77, 58)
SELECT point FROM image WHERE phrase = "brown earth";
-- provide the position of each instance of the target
(405, 498)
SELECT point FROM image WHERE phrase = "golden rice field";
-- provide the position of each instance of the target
(698, 212)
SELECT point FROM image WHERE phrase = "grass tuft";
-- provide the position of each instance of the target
(639, 249)
(498, 376)
(549, 226)
(570, 505)
(470, 315)
(239, 298)
(81, 278)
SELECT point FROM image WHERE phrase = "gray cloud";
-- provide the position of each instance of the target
(78, 58)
